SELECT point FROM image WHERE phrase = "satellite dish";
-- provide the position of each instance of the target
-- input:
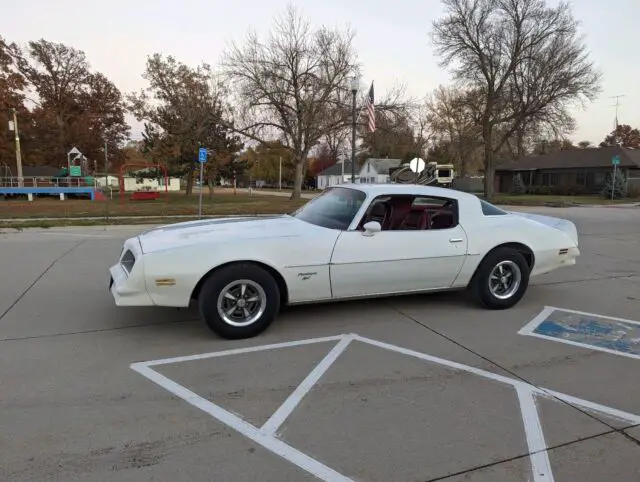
(417, 165)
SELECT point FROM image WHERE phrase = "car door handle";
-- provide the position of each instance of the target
(456, 240)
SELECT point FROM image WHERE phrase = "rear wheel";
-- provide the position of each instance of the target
(501, 280)
(239, 301)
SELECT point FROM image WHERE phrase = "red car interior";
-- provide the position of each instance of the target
(400, 213)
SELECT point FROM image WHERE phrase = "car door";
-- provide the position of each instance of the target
(396, 261)
(399, 259)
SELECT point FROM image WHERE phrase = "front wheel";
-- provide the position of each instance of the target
(239, 301)
(501, 280)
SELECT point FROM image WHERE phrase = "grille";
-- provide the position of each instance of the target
(127, 261)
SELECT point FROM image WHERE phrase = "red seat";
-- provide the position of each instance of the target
(442, 220)
(416, 219)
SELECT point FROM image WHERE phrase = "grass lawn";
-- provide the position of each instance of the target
(176, 204)
(66, 213)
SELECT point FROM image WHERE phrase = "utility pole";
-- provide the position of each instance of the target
(280, 175)
(107, 190)
(18, 154)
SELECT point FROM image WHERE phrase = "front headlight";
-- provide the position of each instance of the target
(127, 261)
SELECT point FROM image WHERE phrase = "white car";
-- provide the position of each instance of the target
(351, 241)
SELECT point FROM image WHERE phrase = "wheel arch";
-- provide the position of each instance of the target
(277, 276)
(522, 248)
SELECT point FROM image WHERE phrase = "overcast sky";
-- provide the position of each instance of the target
(392, 39)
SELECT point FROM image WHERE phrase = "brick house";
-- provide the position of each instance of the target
(574, 171)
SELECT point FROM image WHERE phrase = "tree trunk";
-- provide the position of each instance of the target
(298, 177)
(210, 184)
(489, 172)
(190, 179)
(520, 142)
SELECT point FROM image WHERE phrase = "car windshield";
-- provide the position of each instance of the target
(335, 208)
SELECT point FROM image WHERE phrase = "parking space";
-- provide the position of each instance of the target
(415, 388)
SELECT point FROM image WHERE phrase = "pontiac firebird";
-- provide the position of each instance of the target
(351, 241)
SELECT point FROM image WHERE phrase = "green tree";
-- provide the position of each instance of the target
(184, 111)
(74, 106)
(12, 86)
(616, 186)
(623, 135)
(394, 138)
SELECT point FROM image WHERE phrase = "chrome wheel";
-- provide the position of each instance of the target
(242, 302)
(505, 279)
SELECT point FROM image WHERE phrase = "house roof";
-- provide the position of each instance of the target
(336, 169)
(382, 166)
(574, 158)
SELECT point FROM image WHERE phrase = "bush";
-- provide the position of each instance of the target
(561, 190)
(615, 187)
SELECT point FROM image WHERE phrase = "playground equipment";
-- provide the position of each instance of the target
(434, 174)
(143, 194)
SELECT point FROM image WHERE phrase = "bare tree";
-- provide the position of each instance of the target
(453, 114)
(524, 57)
(291, 85)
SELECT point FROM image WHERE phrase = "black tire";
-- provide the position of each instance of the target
(479, 286)
(212, 291)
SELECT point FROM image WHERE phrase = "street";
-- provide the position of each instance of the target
(417, 388)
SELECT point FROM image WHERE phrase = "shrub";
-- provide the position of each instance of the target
(615, 187)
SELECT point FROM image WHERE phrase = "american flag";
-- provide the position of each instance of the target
(371, 110)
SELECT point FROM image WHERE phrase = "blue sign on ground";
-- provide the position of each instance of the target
(587, 330)
(202, 155)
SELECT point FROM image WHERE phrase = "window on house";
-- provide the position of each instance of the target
(580, 178)
(590, 179)
(554, 179)
(600, 178)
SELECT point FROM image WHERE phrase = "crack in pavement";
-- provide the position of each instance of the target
(459, 344)
(618, 277)
(22, 295)
(97, 330)
(519, 457)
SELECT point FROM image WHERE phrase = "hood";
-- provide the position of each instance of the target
(563, 225)
(220, 230)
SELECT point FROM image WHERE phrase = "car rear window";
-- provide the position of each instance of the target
(489, 209)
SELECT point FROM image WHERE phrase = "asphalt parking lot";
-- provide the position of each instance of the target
(418, 388)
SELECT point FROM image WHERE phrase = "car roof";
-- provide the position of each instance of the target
(409, 189)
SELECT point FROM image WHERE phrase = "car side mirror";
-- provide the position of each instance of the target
(371, 228)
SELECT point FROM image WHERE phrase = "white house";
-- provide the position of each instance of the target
(332, 176)
(136, 184)
(376, 171)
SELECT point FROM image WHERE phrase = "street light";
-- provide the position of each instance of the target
(354, 89)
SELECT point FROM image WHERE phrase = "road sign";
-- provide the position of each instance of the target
(615, 160)
(202, 155)
(417, 165)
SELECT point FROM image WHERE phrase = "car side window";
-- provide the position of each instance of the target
(411, 213)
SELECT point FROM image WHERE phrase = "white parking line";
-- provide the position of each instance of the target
(272, 425)
(267, 435)
(540, 464)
